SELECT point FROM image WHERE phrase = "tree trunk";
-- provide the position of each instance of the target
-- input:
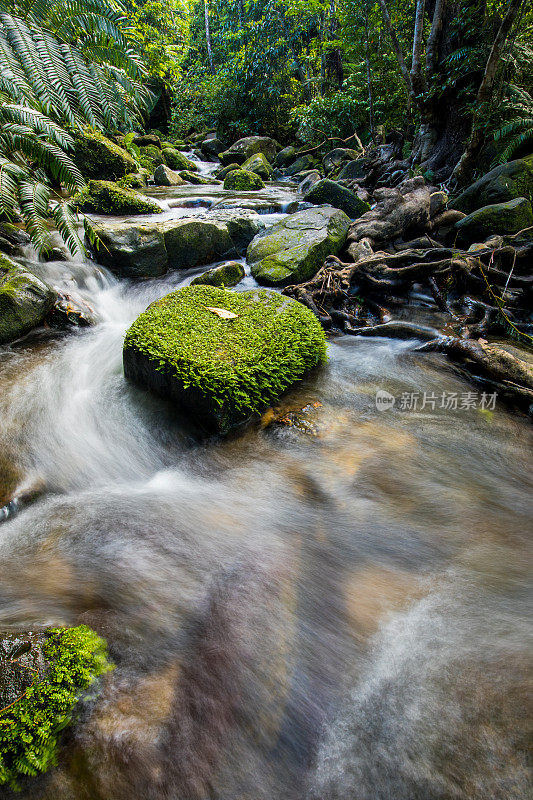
(208, 38)
(432, 48)
(369, 81)
(463, 170)
(396, 47)
(416, 65)
(334, 67)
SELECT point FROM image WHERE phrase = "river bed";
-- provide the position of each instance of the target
(331, 604)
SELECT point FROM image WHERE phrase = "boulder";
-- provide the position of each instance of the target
(13, 240)
(194, 177)
(338, 156)
(259, 164)
(226, 170)
(212, 147)
(222, 356)
(98, 157)
(176, 160)
(134, 180)
(229, 274)
(310, 179)
(503, 183)
(164, 176)
(333, 194)
(24, 300)
(354, 171)
(249, 146)
(286, 156)
(293, 250)
(134, 250)
(243, 181)
(146, 139)
(151, 157)
(300, 165)
(499, 218)
(106, 197)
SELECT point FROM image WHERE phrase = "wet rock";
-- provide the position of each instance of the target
(134, 180)
(106, 197)
(145, 251)
(24, 300)
(176, 160)
(12, 239)
(70, 312)
(310, 179)
(300, 165)
(242, 180)
(503, 183)
(333, 194)
(195, 178)
(499, 218)
(249, 146)
(293, 250)
(229, 274)
(98, 157)
(164, 176)
(286, 156)
(353, 171)
(259, 165)
(221, 174)
(211, 148)
(146, 139)
(338, 156)
(220, 369)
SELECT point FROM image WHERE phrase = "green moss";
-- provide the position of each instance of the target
(106, 197)
(225, 275)
(176, 160)
(133, 180)
(25, 300)
(259, 165)
(30, 728)
(99, 157)
(242, 180)
(151, 156)
(240, 365)
(193, 177)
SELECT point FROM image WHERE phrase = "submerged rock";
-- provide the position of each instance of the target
(242, 180)
(229, 274)
(134, 250)
(249, 146)
(99, 157)
(222, 356)
(331, 193)
(260, 165)
(293, 250)
(503, 183)
(106, 197)
(24, 300)
(499, 218)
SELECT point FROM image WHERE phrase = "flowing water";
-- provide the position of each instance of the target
(331, 604)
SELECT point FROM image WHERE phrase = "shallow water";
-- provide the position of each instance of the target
(331, 604)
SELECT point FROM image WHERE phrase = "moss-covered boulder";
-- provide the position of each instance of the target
(333, 194)
(42, 678)
(176, 160)
(195, 178)
(134, 180)
(249, 146)
(499, 218)
(151, 157)
(260, 165)
(503, 183)
(243, 181)
(286, 156)
(164, 176)
(222, 356)
(106, 197)
(293, 250)
(301, 164)
(25, 300)
(221, 173)
(134, 250)
(227, 275)
(98, 157)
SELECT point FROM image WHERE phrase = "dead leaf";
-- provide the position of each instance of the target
(223, 313)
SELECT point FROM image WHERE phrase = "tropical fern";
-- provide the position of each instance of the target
(517, 128)
(63, 64)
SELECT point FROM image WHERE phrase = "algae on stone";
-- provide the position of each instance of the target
(98, 157)
(225, 275)
(25, 300)
(222, 370)
(106, 197)
(293, 250)
(259, 164)
(499, 218)
(243, 181)
(328, 192)
(503, 183)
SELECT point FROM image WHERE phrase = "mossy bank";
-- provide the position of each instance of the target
(42, 678)
(222, 370)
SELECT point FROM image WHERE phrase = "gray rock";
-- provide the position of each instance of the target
(503, 183)
(286, 156)
(310, 179)
(293, 250)
(331, 193)
(147, 138)
(353, 171)
(25, 300)
(338, 156)
(229, 274)
(300, 165)
(164, 176)
(212, 147)
(249, 146)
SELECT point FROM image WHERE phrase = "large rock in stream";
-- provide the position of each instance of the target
(99, 157)
(25, 300)
(503, 183)
(293, 250)
(134, 250)
(222, 356)
(249, 146)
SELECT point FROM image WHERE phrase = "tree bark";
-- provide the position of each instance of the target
(208, 38)
(416, 65)
(463, 170)
(369, 81)
(432, 48)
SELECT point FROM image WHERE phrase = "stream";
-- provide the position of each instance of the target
(331, 604)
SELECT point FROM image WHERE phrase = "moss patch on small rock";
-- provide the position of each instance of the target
(99, 157)
(219, 370)
(25, 300)
(134, 180)
(226, 275)
(48, 673)
(176, 160)
(243, 181)
(106, 197)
